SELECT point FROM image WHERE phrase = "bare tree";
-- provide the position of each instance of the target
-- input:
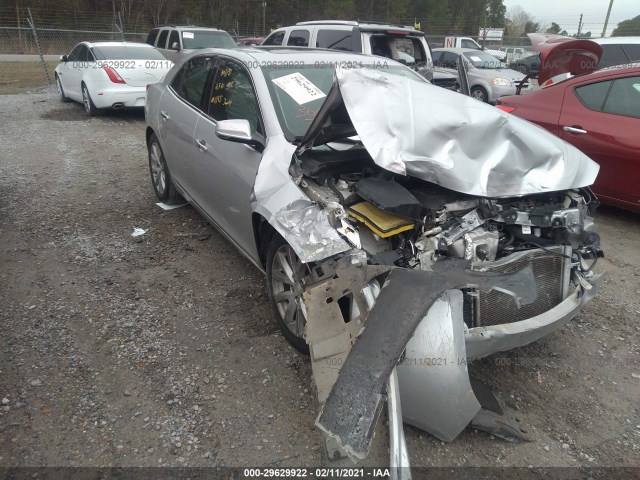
(516, 23)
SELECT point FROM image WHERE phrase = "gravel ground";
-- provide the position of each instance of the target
(162, 349)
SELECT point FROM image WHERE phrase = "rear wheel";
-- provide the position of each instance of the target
(89, 106)
(480, 93)
(160, 176)
(287, 277)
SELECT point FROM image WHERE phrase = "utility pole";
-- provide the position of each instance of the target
(579, 27)
(606, 20)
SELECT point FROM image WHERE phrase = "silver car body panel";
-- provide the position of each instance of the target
(278, 199)
(468, 146)
(435, 390)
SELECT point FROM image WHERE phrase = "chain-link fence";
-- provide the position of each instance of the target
(22, 68)
(29, 43)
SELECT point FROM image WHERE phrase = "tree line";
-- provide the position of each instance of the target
(435, 17)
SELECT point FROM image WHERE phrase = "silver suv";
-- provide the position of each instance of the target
(175, 41)
(403, 44)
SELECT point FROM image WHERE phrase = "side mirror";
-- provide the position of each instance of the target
(63, 58)
(175, 46)
(238, 130)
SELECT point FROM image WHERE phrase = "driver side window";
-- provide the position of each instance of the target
(74, 56)
(174, 38)
(233, 97)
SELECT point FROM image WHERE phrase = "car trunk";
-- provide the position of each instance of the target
(139, 73)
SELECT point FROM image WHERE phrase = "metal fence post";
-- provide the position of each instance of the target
(35, 37)
(120, 27)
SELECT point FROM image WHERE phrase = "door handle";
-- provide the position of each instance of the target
(576, 130)
(202, 145)
(164, 115)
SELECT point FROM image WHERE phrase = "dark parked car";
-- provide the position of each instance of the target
(598, 113)
(526, 65)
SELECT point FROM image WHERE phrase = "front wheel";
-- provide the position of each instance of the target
(287, 278)
(61, 95)
(480, 93)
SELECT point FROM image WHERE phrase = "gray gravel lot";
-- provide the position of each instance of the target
(162, 349)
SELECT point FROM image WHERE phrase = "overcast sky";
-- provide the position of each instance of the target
(567, 12)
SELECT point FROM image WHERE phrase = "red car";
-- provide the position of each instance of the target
(598, 113)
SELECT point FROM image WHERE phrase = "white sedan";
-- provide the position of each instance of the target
(109, 74)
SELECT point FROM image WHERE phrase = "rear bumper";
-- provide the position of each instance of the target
(483, 341)
(126, 97)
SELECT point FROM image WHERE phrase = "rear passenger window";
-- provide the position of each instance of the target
(151, 38)
(189, 83)
(593, 95)
(632, 51)
(275, 38)
(612, 55)
(335, 39)
(162, 39)
(624, 97)
(299, 38)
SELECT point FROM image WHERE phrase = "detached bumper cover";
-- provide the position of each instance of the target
(352, 361)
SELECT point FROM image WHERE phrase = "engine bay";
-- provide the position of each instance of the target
(411, 223)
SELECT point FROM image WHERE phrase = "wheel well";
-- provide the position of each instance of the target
(263, 233)
(148, 134)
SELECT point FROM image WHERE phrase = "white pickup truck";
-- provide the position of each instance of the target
(467, 42)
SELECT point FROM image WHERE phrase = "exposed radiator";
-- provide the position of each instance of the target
(551, 273)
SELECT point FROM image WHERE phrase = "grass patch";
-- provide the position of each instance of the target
(19, 77)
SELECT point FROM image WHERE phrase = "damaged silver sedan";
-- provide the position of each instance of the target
(403, 229)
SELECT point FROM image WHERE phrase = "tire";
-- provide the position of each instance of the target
(160, 176)
(89, 106)
(61, 95)
(285, 286)
(480, 93)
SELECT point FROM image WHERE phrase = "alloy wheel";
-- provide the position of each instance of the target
(158, 174)
(288, 276)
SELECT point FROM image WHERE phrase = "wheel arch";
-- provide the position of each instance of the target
(148, 132)
(263, 233)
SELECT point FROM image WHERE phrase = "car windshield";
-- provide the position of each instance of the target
(482, 59)
(293, 90)
(207, 39)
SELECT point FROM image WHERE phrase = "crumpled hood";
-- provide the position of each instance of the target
(418, 129)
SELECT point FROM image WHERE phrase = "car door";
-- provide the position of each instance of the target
(88, 71)
(227, 169)
(602, 119)
(70, 74)
(179, 109)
